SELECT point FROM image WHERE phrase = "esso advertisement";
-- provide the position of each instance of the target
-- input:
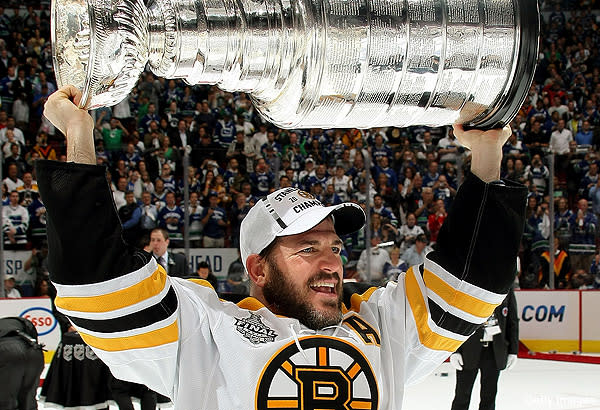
(39, 312)
(42, 318)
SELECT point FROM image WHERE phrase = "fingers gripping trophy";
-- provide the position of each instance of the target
(311, 63)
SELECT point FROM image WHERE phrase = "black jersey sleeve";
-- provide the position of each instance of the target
(479, 241)
(84, 231)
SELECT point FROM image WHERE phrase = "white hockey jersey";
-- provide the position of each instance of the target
(211, 354)
(178, 338)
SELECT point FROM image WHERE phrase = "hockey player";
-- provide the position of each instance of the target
(300, 341)
(15, 220)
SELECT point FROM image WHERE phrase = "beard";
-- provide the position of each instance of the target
(285, 299)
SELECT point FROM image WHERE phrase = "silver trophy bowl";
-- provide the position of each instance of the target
(312, 63)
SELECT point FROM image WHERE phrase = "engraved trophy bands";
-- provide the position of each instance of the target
(312, 63)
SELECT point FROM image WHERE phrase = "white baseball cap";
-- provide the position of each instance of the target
(290, 211)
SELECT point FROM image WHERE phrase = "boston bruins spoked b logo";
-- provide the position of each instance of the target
(328, 374)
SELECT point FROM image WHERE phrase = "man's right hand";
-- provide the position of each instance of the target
(62, 110)
(75, 123)
(456, 360)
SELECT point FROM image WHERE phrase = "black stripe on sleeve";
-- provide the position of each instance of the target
(450, 322)
(136, 320)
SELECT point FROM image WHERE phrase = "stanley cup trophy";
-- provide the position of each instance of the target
(312, 63)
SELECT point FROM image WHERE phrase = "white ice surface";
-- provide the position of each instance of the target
(529, 385)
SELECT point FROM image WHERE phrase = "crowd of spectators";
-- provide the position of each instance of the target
(406, 177)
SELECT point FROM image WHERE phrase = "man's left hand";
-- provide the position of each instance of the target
(486, 150)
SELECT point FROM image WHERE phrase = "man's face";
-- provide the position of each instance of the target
(562, 204)
(303, 277)
(240, 200)
(129, 198)
(433, 167)
(203, 273)
(411, 220)
(158, 243)
(14, 198)
(146, 198)
(321, 171)
(519, 165)
(427, 194)
(122, 184)
(9, 284)
(417, 181)
(170, 199)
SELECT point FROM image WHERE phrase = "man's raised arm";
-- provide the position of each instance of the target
(118, 298)
(479, 240)
(84, 231)
(473, 263)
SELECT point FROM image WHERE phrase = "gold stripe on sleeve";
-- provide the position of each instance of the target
(420, 313)
(456, 298)
(356, 300)
(147, 288)
(201, 282)
(154, 338)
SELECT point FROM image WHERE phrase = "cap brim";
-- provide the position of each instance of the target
(348, 218)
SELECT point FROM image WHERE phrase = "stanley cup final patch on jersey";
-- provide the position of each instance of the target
(253, 329)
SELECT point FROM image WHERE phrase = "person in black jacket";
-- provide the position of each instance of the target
(174, 263)
(490, 349)
(204, 272)
(21, 364)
